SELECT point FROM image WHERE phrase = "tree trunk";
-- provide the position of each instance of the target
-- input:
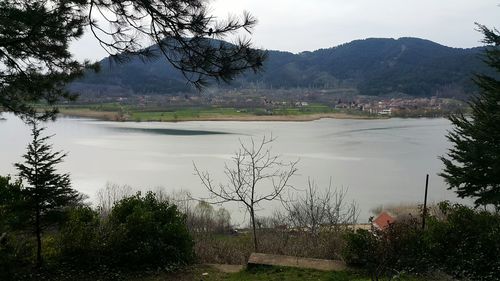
(252, 214)
(38, 232)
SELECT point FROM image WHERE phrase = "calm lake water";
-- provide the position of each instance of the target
(379, 161)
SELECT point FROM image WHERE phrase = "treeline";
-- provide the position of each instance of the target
(410, 66)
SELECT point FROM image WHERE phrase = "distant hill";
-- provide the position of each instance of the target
(374, 66)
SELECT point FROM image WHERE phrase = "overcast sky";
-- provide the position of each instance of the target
(307, 25)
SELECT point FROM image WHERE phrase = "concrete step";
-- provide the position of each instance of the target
(277, 260)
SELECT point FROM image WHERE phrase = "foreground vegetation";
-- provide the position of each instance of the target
(444, 251)
(460, 241)
(138, 233)
(209, 273)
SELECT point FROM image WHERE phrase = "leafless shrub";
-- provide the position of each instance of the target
(223, 250)
(315, 211)
(231, 249)
(201, 217)
(110, 194)
(181, 198)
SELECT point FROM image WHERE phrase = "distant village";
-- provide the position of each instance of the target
(405, 107)
(344, 100)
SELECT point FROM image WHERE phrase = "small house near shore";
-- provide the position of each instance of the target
(383, 220)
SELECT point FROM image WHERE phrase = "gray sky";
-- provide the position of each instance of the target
(307, 25)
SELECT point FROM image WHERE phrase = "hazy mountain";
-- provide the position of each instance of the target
(374, 66)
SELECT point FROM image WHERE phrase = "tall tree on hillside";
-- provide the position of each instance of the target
(45, 192)
(35, 37)
(472, 165)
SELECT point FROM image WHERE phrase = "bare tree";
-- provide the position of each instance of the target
(204, 216)
(222, 220)
(182, 199)
(315, 209)
(201, 217)
(254, 166)
(110, 194)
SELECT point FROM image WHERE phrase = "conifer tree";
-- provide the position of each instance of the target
(45, 192)
(472, 165)
(35, 36)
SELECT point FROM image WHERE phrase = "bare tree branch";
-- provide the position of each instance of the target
(253, 167)
(314, 210)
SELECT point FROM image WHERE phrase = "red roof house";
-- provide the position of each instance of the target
(383, 220)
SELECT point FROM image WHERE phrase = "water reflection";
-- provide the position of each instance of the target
(171, 132)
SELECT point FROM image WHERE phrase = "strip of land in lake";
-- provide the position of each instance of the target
(209, 114)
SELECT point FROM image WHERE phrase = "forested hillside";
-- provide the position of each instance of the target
(374, 66)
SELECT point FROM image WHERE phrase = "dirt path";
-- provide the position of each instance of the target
(227, 268)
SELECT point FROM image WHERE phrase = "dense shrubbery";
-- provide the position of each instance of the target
(465, 244)
(140, 232)
(78, 238)
(389, 252)
(147, 232)
(15, 249)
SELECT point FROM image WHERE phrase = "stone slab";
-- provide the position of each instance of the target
(277, 260)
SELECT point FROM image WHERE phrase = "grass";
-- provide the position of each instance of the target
(117, 112)
(283, 273)
(263, 273)
(181, 114)
(204, 273)
(204, 113)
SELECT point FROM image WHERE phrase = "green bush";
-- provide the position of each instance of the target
(144, 231)
(464, 244)
(361, 248)
(12, 216)
(16, 254)
(140, 232)
(78, 236)
(15, 248)
(401, 248)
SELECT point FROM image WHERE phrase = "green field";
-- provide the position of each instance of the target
(117, 112)
(193, 113)
(185, 114)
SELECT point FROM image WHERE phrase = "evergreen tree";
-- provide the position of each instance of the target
(34, 52)
(35, 36)
(472, 165)
(45, 192)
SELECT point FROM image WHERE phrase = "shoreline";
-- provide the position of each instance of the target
(116, 117)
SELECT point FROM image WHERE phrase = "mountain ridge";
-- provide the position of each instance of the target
(374, 66)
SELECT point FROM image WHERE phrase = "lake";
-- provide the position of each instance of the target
(380, 161)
